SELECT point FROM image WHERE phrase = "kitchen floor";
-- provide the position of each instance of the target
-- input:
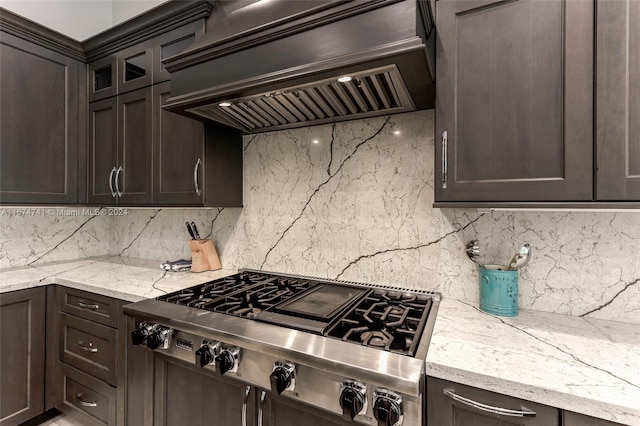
(61, 420)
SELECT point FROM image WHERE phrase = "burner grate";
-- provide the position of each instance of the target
(386, 319)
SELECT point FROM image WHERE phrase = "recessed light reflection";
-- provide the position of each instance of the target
(397, 132)
(344, 79)
(224, 104)
(315, 141)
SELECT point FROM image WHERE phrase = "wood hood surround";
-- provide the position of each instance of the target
(277, 63)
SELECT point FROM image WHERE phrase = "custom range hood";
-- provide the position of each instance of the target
(273, 64)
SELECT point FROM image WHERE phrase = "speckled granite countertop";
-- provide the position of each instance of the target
(578, 364)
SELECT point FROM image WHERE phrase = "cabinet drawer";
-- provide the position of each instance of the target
(90, 347)
(94, 307)
(89, 400)
(453, 404)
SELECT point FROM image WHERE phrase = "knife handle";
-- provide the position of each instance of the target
(195, 230)
(193, 236)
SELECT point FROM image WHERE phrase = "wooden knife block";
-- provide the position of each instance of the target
(204, 256)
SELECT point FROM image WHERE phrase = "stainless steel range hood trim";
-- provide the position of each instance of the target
(402, 373)
(274, 110)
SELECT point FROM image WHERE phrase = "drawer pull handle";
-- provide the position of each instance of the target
(89, 348)
(85, 403)
(85, 305)
(488, 408)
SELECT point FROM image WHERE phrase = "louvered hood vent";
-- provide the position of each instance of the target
(367, 94)
(334, 62)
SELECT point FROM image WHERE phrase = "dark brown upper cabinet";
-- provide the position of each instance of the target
(514, 101)
(172, 43)
(103, 78)
(618, 100)
(178, 154)
(40, 113)
(120, 148)
(193, 164)
(139, 65)
(121, 72)
(103, 151)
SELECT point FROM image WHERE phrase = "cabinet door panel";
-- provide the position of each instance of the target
(514, 97)
(22, 351)
(282, 411)
(187, 396)
(103, 78)
(134, 146)
(178, 154)
(172, 43)
(135, 67)
(103, 151)
(618, 100)
(39, 132)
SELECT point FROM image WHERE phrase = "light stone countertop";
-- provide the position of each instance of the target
(584, 365)
(578, 364)
(127, 279)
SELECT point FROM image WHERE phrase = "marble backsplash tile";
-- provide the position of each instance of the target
(353, 201)
(35, 235)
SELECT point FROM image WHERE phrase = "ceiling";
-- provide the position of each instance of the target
(79, 19)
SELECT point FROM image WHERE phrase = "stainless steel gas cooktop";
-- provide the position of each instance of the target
(304, 338)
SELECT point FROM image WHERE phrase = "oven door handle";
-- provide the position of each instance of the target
(488, 408)
(244, 405)
(260, 412)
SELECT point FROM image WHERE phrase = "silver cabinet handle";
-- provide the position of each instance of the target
(445, 172)
(488, 408)
(244, 405)
(89, 348)
(84, 305)
(85, 403)
(113, 193)
(195, 177)
(117, 181)
(260, 412)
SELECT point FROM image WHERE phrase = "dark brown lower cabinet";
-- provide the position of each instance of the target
(574, 419)
(86, 364)
(281, 411)
(453, 404)
(186, 395)
(22, 355)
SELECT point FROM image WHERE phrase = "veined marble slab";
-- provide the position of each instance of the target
(122, 278)
(578, 364)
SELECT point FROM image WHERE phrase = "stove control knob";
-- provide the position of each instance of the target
(387, 407)
(283, 377)
(353, 399)
(139, 335)
(227, 360)
(206, 354)
(159, 338)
